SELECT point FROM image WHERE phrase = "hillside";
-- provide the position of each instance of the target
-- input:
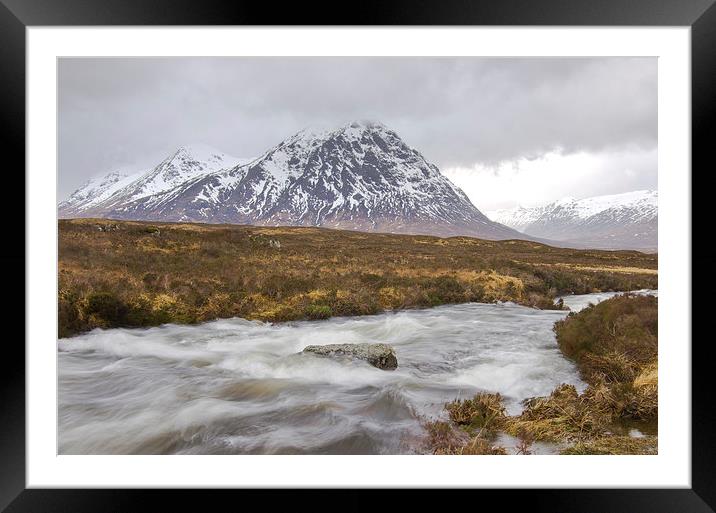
(121, 273)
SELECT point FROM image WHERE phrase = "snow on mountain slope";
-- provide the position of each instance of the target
(187, 163)
(97, 189)
(617, 221)
(642, 203)
(361, 176)
(518, 217)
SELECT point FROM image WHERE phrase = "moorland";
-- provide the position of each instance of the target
(133, 274)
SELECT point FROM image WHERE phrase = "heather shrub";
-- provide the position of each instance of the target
(315, 312)
(615, 346)
(106, 308)
(624, 326)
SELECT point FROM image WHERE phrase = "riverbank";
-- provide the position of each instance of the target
(140, 274)
(614, 345)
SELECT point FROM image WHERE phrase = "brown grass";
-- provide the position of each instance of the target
(563, 416)
(445, 438)
(117, 273)
(484, 411)
(626, 270)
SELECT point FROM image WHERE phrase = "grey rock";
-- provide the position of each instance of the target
(107, 227)
(261, 240)
(381, 356)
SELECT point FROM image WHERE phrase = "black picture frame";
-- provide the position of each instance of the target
(17, 15)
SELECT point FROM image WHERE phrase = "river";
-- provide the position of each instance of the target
(240, 387)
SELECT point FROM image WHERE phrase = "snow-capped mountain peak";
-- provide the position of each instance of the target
(117, 187)
(645, 200)
(625, 220)
(98, 189)
(359, 176)
(186, 163)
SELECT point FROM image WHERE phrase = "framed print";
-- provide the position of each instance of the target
(432, 249)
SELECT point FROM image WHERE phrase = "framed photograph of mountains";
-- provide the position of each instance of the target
(433, 249)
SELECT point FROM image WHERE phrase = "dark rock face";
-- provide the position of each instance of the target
(381, 356)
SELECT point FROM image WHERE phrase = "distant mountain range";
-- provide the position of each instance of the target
(618, 221)
(361, 176)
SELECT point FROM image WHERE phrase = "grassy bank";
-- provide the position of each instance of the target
(614, 345)
(114, 273)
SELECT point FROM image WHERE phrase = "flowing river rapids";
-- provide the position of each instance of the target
(241, 387)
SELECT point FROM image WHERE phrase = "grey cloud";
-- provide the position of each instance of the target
(457, 111)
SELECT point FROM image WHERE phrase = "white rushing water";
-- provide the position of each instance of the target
(235, 386)
(577, 302)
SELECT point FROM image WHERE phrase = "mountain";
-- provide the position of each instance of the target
(361, 176)
(100, 195)
(618, 221)
(94, 191)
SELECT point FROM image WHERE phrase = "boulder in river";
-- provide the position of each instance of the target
(378, 355)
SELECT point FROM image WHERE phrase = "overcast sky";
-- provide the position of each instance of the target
(508, 131)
